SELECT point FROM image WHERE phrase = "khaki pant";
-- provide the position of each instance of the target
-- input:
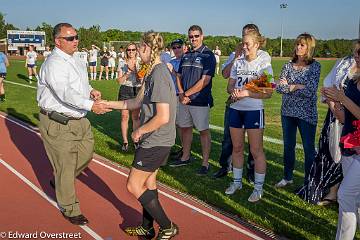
(69, 149)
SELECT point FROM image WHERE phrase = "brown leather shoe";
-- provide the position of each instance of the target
(77, 220)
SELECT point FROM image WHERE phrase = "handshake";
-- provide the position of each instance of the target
(101, 107)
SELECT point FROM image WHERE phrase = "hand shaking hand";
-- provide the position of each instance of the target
(100, 107)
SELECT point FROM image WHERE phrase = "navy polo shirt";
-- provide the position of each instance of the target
(193, 66)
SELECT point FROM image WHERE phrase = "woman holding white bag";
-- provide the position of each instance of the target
(326, 175)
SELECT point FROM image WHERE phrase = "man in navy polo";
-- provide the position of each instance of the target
(194, 80)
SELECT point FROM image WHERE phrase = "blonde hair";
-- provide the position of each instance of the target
(310, 42)
(257, 37)
(156, 42)
(126, 51)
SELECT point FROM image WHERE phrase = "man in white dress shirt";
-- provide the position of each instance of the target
(64, 97)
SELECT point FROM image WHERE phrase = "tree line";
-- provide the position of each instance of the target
(94, 35)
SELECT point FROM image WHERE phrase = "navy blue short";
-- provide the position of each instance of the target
(246, 119)
(92, 64)
(3, 75)
(31, 65)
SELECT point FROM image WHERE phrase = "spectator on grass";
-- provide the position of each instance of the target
(194, 81)
(30, 63)
(104, 63)
(226, 146)
(47, 52)
(121, 60)
(246, 114)
(64, 97)
(112, 61)
(4, 63)
(325, 174)
(298, 83)
(93, 54)
(156, 135)
(129, 88)
(177, 47)
(217, 53)
(347, 110)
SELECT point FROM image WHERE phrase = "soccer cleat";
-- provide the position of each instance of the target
(232, 188)
(140, 231)
(283, 183)
(255, 196)
(165, 234)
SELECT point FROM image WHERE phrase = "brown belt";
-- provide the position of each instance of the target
(43, 111)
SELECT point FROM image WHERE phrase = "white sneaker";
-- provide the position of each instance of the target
(233, 187)
(283, 183)
(255, 195)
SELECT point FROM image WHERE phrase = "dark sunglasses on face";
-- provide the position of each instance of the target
(194, 36)
(70, 38)
(131, 50)
(176, 47)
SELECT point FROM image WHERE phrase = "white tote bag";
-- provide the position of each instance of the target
(334, 139)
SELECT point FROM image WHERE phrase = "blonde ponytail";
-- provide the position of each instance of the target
(156, 42)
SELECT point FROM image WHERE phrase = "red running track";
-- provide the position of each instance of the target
(27, 205)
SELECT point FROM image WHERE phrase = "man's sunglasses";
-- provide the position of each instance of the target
(194, 36)
(131, 50)
(70, 38)
(176, 47)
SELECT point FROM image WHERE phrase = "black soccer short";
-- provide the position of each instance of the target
(127, 92)
(3, 75)
(150, 159)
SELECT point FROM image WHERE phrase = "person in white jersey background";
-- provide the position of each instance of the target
(247, 113)
(217, 53)
(47, 52)
(30, 63)
(112, 61)
(93, 54)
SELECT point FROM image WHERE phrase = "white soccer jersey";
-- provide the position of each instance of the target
(112, 55)
(46, 54)
(31, 57)
(93, 55)
(244, 72)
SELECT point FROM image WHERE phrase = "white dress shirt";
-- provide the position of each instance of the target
(64, 85)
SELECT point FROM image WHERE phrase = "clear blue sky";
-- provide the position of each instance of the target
(325, 19)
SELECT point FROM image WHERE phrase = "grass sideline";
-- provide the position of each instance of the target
(279, 210)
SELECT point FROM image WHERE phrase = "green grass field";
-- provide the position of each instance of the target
(279, 210)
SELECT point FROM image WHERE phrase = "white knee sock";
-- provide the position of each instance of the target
(259, 181)
(237, 172)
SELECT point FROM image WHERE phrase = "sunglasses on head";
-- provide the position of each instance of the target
(131, 49)
(176, 47)
(194, 36)
(70, 38)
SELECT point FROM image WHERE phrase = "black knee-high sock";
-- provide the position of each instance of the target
(148, 220)
(151, 203)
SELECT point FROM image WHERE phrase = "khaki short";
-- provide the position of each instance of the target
(189, 116)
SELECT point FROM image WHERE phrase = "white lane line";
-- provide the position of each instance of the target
(267, 139)
(165, 194)
(20, 84)
(243, 231)
(42, 194)
(213, 127)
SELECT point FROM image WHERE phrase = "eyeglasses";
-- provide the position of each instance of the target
(131, 50)
(194, 36)
(176, 47)
(70, 38)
